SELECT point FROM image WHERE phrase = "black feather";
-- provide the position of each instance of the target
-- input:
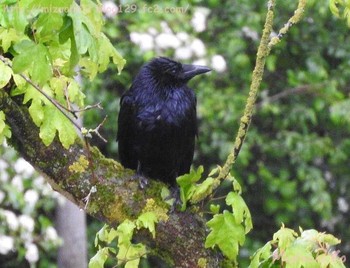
(157, 122)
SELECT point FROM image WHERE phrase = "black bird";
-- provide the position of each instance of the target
(157, 122)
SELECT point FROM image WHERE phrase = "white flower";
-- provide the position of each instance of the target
(17, 183)
(22, 166)
(198, 47)
(135, 37)
(183, 36)
(183, 53)
(218, 63)
(199, 19)
(51, 234)
(165, 27)
(146, 42)
(3, 165)
(152, 31)
(26, 222)
(6, 244)
(32, 253)
(4, 176)
(2, 196)
(11, 219)
(31, 197)
(109, 9)
(343, 205)
(39, 182)
(167, 40)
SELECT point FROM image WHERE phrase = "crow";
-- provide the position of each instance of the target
(157, 122)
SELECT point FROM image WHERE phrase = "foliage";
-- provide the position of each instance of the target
(227, 229)
(341, 8)
(27, 235)
(42, 46)
(127, 253)
(309, 249)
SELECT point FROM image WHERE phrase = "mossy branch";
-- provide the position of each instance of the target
(263, 51)
(111, 194)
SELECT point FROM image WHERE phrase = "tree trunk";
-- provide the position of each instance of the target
(71, 227)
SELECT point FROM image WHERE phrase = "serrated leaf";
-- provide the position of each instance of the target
(240, 210)
(214, 208)
(284, 237)
(47, 26)
(7, 37)
(261, 255)
(204, 189)
(34, 59)
(329, 260)
(226, 234)
(131, 254)
(75, 94)
(147, 220)
(125, 231)
(5, 131)
(99, 259)
(107, 51)
(186, 183)
(5, 74)
(55, 120)
(298, 257)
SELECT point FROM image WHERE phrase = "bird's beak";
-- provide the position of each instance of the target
(189, 71)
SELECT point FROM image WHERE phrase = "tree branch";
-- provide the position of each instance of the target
(117, 196)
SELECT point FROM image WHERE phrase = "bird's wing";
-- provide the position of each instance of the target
(190, 129)
(126, 132)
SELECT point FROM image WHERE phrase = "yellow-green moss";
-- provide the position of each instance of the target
(79, 166)
(202, 262)
(151, 206)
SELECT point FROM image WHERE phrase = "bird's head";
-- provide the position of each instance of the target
(169, 71)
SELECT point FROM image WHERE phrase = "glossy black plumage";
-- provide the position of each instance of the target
(157, 122)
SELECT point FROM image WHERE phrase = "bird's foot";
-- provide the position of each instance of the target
(143, 181)
(174, 197)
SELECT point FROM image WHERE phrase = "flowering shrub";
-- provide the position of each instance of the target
(26, 203)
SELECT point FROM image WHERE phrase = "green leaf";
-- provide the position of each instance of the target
(75, 94)
(284, 237)
(99, 259)
(329, 260)
(125, 231)
(107, 51)
(147, 220)
(186, 183)
(131, 254)
(41, 4)
(5, 74)
(34, 59)
(55, 120)
(204, 189)
(240, 210)
(47, 26)
(5, 131)
(214, 208)
(7, 37)
(226, 234)
(298, 257)
(261, 255)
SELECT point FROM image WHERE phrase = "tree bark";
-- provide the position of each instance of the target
(117, 197)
